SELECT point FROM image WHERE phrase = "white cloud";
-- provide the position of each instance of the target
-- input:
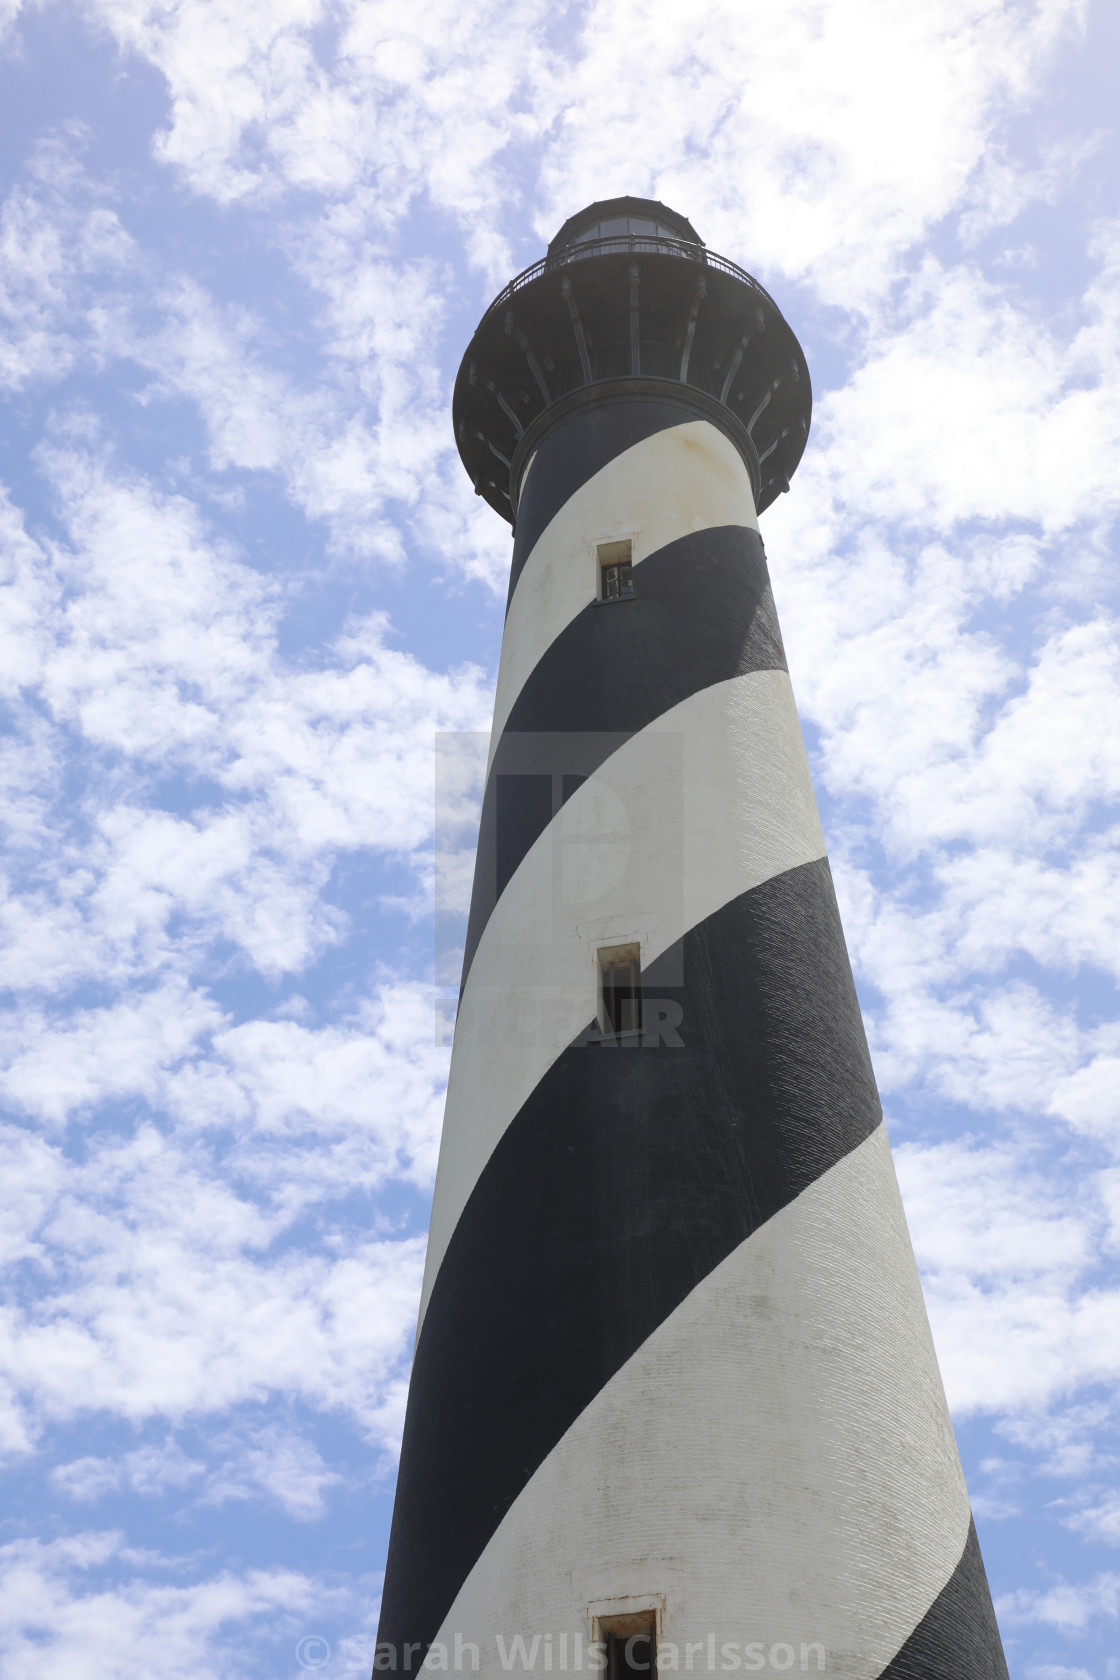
(165, 1301)
(1051, 1671)
(826, 142)
(367, 446)
(145, 640)
(147, 1470)
(364, 451)
(98, 1054)
(1072, 1441)
(160, 1291)
(57, 247)
(57, 1625)
(970, 407)
(985, 1209)
(821, 142)
(277, 1464)
(1099, 1519)
(326, 1108)
(30, 1182)
(1090, 1100)
(1066, 1606)
(995, 1048)
(393, 102)
(997, 903)
(28, 598)
(270, 1463)
(1005, 1249)
(167, 649)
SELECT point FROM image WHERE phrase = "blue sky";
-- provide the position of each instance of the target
(245, 583)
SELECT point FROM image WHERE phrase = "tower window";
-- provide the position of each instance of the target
(616, 571)
(620, 989)
(631, 1643)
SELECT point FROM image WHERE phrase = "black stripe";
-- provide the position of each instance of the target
(628, 1175)
(522, 810)
(575, 449)
(957, 1638)
(702, 613)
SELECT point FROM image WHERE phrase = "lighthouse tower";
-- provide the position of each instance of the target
(674, 1404)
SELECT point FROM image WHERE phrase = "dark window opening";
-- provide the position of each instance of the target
(622, 989)
(631, 1648)
(616, 571)
(619, 227)
(618, 582)
(630, 1654)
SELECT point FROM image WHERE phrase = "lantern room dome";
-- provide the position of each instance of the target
(619, 218)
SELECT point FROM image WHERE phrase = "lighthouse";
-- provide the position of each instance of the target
(674, 1405)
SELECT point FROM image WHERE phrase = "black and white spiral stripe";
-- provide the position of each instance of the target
(672, 1342)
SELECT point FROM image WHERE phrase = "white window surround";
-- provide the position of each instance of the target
(610, 1615)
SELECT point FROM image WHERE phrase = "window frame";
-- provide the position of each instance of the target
(617, 552)
(624, 1619)
(606, 958)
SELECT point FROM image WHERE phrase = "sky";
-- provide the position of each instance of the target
(246, 585)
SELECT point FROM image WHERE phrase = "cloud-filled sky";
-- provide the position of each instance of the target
(244, 583)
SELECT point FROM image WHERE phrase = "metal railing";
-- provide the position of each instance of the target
(634, 244)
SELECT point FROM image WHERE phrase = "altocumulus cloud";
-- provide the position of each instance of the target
(244, 584)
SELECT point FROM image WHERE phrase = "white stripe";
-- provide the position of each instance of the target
(776, 1462)
(686, 478)
(711, 799)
